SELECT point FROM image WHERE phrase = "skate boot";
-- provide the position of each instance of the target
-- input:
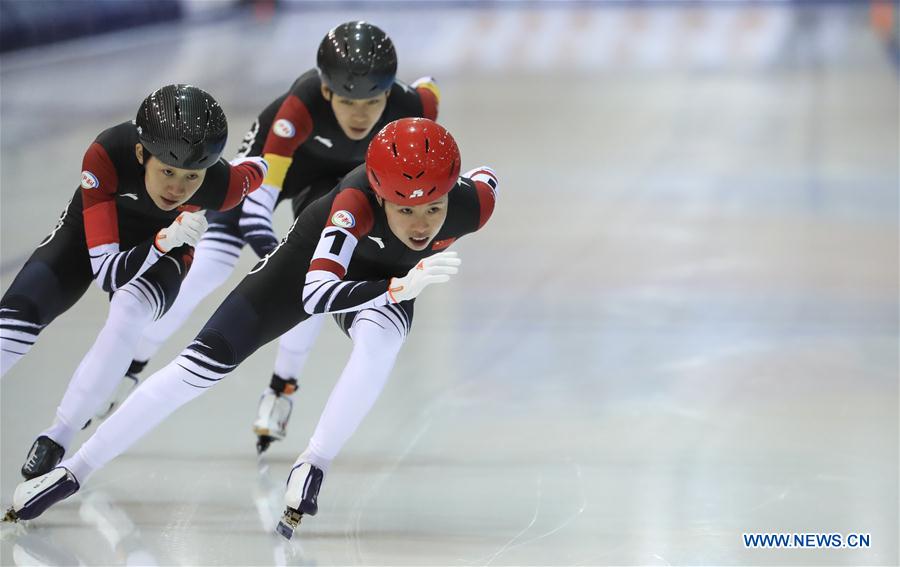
(45, 454)
(274, 411)
(301, 497)
(34, 496)
(126, 385)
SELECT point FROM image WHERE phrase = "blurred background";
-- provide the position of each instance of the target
(679, 327)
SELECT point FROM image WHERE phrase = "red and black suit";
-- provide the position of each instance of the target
(106, 234)
(308, 153)
(338, 257)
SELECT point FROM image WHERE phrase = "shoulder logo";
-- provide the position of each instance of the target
(377, 240)
(283, 128)
(89, 180)
(324, 141)
(343, 219)
(129, 195)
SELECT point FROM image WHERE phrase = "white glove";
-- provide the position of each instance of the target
(186, 229)
(434, 269)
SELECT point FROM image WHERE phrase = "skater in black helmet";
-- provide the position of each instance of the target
(363, 252)
(130, 227)
(311, 136)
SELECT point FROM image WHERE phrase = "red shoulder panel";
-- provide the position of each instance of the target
(99, 183)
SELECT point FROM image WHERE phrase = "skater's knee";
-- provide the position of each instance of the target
(377, 334)
(216, 347)
(132, 307)
(217, 253)
(37, 295)
(22, 308)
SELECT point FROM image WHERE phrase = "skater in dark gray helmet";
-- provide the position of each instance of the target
(130, 227)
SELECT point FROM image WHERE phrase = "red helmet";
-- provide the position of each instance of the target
(412, 161)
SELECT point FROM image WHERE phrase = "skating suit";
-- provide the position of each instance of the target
(307, 150)
(338, 257)
(106, 233)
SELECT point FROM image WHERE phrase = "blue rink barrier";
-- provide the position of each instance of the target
(27, 23)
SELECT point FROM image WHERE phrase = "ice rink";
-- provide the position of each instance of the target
(679, 327)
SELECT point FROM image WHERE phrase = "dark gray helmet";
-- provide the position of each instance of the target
(357, 60)
(183, 126)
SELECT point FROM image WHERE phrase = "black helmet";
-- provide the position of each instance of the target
(357, 60)
(182, 126)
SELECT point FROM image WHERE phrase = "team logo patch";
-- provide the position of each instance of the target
(343, 219)
(284, 129)
(89, 180)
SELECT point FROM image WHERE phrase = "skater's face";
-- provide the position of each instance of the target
(169, 187)
(416, 226)
(356, 117)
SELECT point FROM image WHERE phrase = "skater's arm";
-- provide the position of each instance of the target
(324, 290)
(112, 267)
(429, 96)
(245, 176)
(487, 186)
(291, 127)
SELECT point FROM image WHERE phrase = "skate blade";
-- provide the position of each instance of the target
(284, 530)
(288, 523)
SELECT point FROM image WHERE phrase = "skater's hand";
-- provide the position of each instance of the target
(431, 270)
(186, 229)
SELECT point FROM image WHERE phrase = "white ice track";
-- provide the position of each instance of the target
(680, 325)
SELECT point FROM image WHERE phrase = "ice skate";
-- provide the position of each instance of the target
(45, 454)
(273, 414)
(34, 496)
(301, 497)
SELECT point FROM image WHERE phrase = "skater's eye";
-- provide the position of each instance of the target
(192, 177)
(434, 210)
(405, 211)
(168, 172)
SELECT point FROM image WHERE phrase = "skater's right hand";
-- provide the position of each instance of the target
(186, 229)
(434, 269)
